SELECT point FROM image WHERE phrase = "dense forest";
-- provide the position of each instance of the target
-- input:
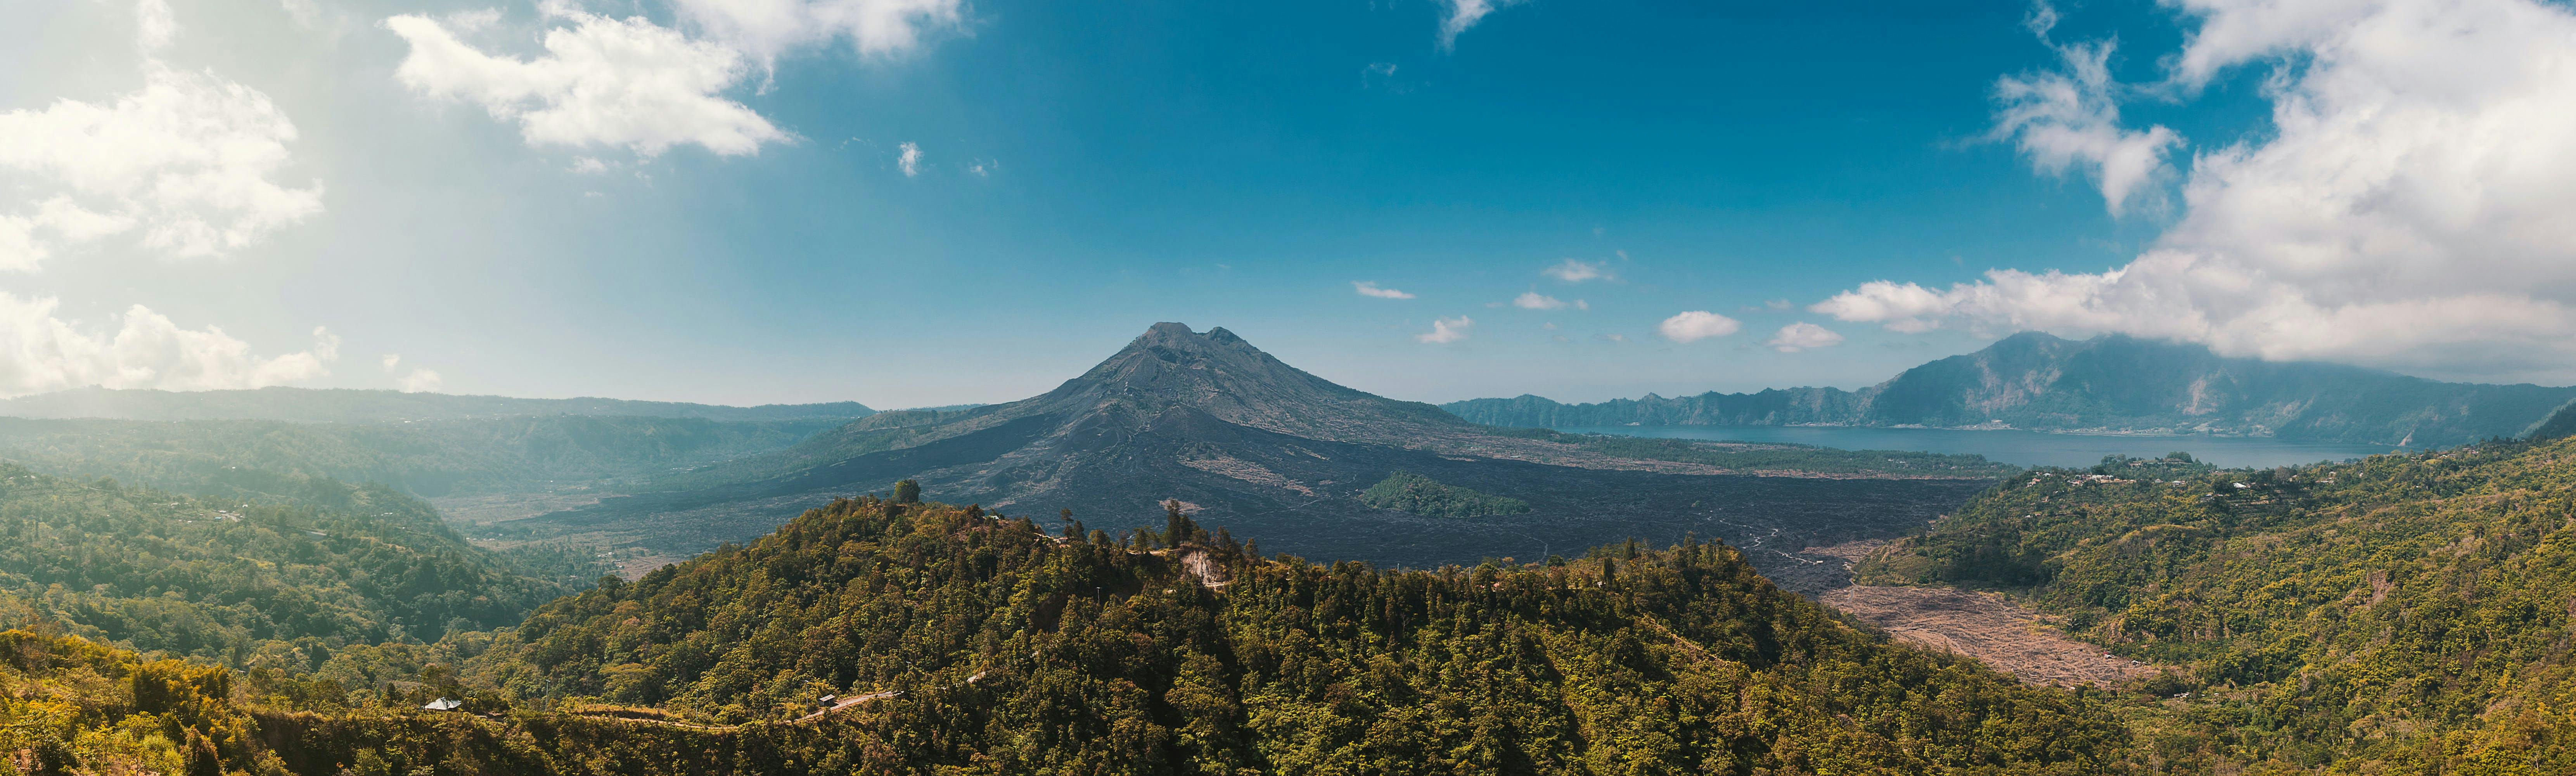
(285, 583)
(1009, 650)
(2402, 614)
(969, 643)
(1405, 491)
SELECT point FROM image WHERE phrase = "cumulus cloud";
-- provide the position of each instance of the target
(768, 29)
(2407, 207)
(1369, 288)
(392, 360)
(40, 352)
(602, 82)
(154, 24)
(1803, 336)
(1532, 300)
(909, 160)
(2071, 118)
(419, 381)
(1696, 325)
(186, 163)
(1447, 330)
(1458, 15)
(1574, 271)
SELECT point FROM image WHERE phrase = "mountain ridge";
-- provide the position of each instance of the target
(2110, 383)
(353, 405)
(1210, 420)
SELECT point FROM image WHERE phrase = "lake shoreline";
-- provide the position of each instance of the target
(2019, 447)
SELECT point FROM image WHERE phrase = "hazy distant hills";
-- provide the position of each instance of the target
(340, 405)
(2111, 383)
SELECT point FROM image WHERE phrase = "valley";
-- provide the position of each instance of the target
(1220, 558)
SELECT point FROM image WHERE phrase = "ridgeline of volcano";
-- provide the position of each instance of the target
(1251, 442)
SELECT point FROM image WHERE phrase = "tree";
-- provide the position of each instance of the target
(907, 492)
(1177, 527)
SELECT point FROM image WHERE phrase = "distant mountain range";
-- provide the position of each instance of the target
(2111, 384)
(340, 405)
(1260, 446)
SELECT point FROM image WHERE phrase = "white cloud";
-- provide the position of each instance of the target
(2407, 207)
(39, 353)
(154, 24)
(419, 381)
(602, 82)
(1447, 330)
(983, 169)
(392, 360)
(2072, 118)
(1369, 288)
(1573, 271)
(1697, 325)
(187, 159)
(1803, 336)
(306, 13)
(585, 165)
(1532, 300)
(768, 29)
(1458, 15)
(909, 160)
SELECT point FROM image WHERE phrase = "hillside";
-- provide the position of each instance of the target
(1017, 652)
(431, 458)
(342, 405)
(2110, 383)
(2400, 614)
(227, 580)
(976, 645)
(1244, 439)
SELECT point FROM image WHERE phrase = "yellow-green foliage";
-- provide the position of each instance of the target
(1013, 653)
(2401, 614)
(68, 705)
(1099, 658)
(230, 580)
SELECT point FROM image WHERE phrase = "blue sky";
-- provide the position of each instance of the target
(1083, 170)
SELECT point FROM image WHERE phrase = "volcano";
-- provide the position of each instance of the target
(1248, 442)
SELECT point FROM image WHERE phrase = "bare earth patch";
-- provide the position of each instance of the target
(2004, 636)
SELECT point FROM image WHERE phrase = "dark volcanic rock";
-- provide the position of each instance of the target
(1275, 455)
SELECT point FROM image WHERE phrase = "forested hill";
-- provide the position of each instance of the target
(232, 580)
(2109, 383)
(1180, 651)
(2400, 614)
(341, 405)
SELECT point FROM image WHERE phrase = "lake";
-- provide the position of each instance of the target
(2019, 448)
